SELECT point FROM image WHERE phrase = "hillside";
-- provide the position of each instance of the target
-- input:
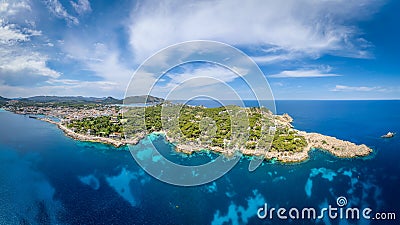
(142, 99)
(70, 99)
(78, 100)
(3, 100)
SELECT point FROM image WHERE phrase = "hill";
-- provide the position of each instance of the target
(3, 100)
(79, 100)
(70, 100)
(142, 99)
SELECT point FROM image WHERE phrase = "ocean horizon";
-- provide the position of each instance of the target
(49, 178)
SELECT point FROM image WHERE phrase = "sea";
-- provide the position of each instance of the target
(48, 178)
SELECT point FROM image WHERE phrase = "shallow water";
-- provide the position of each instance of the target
(48, 178)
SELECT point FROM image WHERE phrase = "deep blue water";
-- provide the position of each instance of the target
(48, 178)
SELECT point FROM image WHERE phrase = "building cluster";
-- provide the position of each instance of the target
(66, 113)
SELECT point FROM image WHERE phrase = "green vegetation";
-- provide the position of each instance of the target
(229, 126)
(99, 126)
(288, 140)
(3, 101)
(142, 99)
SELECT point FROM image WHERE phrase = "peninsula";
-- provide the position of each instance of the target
(226, 130)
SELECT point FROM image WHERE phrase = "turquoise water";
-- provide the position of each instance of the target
(47, 178)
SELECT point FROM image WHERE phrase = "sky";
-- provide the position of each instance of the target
(305, 49)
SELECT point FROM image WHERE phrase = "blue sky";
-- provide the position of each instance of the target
(306, 49)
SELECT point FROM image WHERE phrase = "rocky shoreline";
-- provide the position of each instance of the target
(337, 147)
(82, 137)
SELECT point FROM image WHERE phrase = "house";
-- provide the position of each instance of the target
(114, 119)
(115, 135)
(272, 130)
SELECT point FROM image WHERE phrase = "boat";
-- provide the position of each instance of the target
(388, 135)
(33, 117)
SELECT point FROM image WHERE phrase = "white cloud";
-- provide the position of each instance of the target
(205, 79)
(8, 8)
(59, 11)
(63, 87)
(10, 33)
(300, 73)
(309, 27)
(99, 58)
(19, 63)
(33, 63)
(356, 88)
(209, 75)
(199, 79)
(273, 58)
(81, 6)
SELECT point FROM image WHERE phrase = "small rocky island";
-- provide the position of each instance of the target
(226, 130)
(388, 135)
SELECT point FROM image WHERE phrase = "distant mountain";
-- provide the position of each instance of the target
(142, 99)
(83, 100)
(70, 100)
(3, 100)
(111, 100)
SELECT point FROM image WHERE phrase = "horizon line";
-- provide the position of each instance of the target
(283, 99)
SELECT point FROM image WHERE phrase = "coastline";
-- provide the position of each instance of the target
(336, 147)
(332, 145)
(82, 137)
